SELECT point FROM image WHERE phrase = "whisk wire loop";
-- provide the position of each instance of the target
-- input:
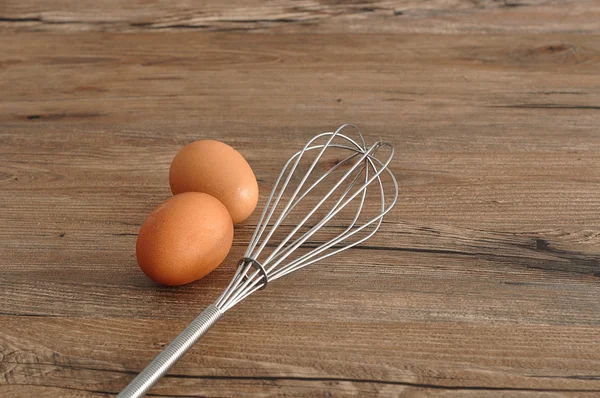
(260, 267)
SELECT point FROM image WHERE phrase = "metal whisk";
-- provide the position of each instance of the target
(296, 228)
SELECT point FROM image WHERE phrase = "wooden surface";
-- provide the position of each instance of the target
(484, 281)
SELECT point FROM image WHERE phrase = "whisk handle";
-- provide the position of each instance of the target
(171, 354)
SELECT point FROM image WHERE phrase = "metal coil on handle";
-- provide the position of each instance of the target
(171, 354)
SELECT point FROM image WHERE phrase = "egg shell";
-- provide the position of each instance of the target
(184, 239)
(219, 170)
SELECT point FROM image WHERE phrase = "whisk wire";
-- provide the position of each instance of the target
(297, 157)
(307, 217)
(295, 266)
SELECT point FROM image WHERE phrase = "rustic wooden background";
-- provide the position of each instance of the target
(485, 280)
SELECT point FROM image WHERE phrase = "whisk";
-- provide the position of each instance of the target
(296, 228)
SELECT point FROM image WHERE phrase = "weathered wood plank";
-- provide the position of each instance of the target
(330, 16)
(353, 359)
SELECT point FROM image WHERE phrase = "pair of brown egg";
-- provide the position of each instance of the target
(190, 234)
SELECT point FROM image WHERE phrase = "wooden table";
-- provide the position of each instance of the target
(484, 281)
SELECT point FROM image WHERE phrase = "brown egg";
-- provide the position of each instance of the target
(219, 170)
(184, 239)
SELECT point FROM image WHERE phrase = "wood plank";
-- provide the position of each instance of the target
(353, 359)
(305, 16)
(484, 279)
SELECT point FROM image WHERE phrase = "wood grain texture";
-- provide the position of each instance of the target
(484, 281)
(306, 16)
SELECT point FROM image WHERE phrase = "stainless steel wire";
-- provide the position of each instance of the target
(274, 252)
